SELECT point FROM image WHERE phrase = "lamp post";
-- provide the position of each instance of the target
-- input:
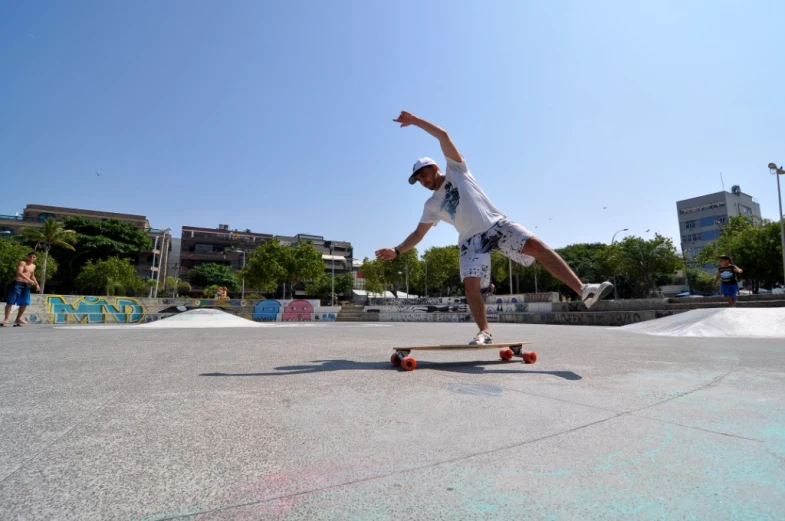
(242, 291)
(616, 291)
(152, 271)
(332, 285)
(407, 276)
(778, 172)
(164, 247)
(426, 278)
(510, 273)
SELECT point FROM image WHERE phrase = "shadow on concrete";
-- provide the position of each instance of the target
(476, 367)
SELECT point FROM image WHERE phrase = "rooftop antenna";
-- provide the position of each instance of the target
(723, 182)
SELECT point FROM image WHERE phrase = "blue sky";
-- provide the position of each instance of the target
(276, 116)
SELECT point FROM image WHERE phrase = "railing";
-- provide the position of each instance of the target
(18, 218)
(206, 253)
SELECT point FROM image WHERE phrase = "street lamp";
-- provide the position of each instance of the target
(164, 247)
(242, 294)
(329, 244)
(778, 172)
(426, 277)
(616, 291)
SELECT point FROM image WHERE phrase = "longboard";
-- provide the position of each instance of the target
(402, 359)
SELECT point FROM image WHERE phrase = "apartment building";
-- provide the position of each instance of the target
(230, 247)
(147, 262)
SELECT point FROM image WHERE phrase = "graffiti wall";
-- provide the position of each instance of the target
(94, 310)
(81, 309)
(455, 309)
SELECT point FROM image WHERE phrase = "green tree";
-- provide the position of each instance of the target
(344, 283)
(175, 286)
(641, 261)
(755, 249)
(51, 234)
(215, 274)
(372, 272)
(264, 267)
(397, 271)
(700, 281)
(303, 263)
(183, 288)
(441, 264)
(11, 253)
(98, 240)
(112, 276)
(589, 261)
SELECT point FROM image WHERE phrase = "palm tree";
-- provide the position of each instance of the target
(52, 233)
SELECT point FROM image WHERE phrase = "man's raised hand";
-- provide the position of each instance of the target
(405, 119)
(385, 254)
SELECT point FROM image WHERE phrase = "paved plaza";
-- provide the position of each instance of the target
(312, 422)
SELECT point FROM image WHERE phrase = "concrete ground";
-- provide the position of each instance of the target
(313, 423)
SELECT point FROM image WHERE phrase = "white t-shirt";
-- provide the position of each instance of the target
(461, 202)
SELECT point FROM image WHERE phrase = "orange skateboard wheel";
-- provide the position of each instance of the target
(396, 360)
(408, 363)
(506, 354)
(529, 357)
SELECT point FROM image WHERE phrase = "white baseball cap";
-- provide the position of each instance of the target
(421, 163)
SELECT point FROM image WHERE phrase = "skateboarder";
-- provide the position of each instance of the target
(19, 290)
(482, 228)
(726, 273)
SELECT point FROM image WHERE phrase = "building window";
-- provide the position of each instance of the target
(690, 224)
(702, 207)
(745, 210)
(44, 216)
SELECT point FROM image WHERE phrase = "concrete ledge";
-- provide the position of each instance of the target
(587, 318)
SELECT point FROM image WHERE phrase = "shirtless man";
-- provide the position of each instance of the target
(459, 200)
(19, 291)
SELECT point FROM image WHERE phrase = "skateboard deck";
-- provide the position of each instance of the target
(402, 359)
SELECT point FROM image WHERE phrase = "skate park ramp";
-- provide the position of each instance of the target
(723, 323)
(201, 318)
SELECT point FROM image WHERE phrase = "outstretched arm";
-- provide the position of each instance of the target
(448, 147)
(738, 270)
(411, 241)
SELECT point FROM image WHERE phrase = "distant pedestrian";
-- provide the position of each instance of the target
(727, 274)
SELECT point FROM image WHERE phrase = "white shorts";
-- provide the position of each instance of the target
(505, 237)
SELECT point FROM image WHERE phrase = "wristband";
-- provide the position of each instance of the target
(397, 251)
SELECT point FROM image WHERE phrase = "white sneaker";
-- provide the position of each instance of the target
(594, 292)
(482, 338)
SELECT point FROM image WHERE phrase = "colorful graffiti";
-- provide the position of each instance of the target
(266, 311)
(298, 310)
(94, 310)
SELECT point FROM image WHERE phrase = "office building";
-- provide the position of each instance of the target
(701, 219)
